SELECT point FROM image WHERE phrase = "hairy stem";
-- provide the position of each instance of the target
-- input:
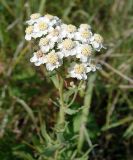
(62, 106)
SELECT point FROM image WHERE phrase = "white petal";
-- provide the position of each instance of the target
(84, 76)
(28, 37)
(66, 54)
(88, 69)
(92, 39)
(37, 34)
(45, 59)
(60, 54)
(50, 67)
(95, 44)
(38, 63)
(33, 59)
(30, 22)
(93, 69)
(78, 55)
(79, 76)
(84, 59)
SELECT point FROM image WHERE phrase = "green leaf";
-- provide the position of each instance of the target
(77, 122)
(25, 156)
(27, 108)
(45, 134)
(129, 131)
(50, 150)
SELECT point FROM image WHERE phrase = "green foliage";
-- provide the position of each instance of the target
(99, 120)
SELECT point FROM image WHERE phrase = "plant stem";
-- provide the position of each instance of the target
(85, 111)
(62, 106)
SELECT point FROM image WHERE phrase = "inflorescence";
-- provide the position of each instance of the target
(57, 40)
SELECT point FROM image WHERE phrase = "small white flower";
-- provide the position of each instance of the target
(84, 27)
(93, 65)
(55, 35)
(68, 31)
(29, 33)
(84, 52)
(34, 18)
(38, 58)
(97, 42)
(68, 47)
(45, 44)
(41, 28)
(52, 20)
(79, 70)
(53, 60)
(83, 36)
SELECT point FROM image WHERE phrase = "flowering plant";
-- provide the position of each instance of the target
(63, 47)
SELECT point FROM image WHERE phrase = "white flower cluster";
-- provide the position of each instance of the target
(57, 40)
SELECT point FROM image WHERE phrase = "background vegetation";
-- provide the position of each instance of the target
(26, 95)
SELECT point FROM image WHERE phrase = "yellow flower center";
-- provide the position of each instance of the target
(55, 32)
(43, 41)
(79, 68)
(29, 30)
(35, 16)
(98, 38)
(71, 28)
(49, 16)
(87, 50)
(85, 34)
(68, 44)
(52, 58)
(42, 26)
(39, 54)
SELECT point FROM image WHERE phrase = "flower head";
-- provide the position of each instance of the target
(55, 35)
(53, 60)
(68, 47)
(41, 28)
(29, 33)
(45, 44)
(97, 42)
(33, 18)
(79, 70)
(84, 27)
(52, 20)
(38, 58)
(84, 52)
(68, 31)
(84, 36)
